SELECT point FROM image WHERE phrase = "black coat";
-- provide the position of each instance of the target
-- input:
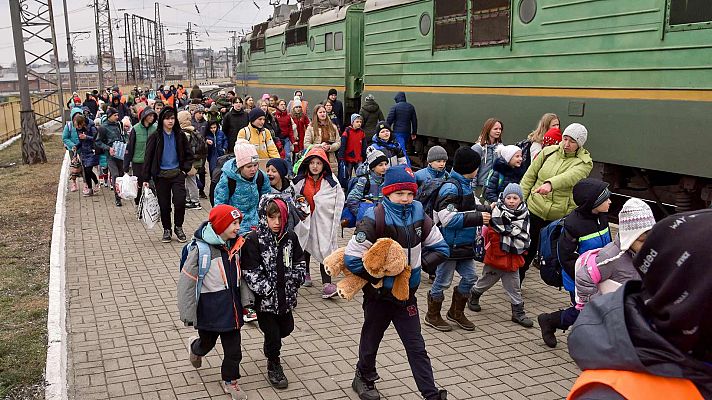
(154, 153)
(232, 123)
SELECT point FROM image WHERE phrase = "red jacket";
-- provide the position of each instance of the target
(353, 145)
(496, 258)
(285, 125)
(301, 124)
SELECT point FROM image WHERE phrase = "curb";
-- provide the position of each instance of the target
(10, 141)
(56, 368)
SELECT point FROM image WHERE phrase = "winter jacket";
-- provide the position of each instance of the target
(218, 148)
(583, 230)
(402, 117)
(353, 145)
(168, 98)
(563, 171)
(339, 113)
(285, 125)
(360, 194)
(246, 197)
(404, 224)
(612, 263)
(139, 135)
(300, 125)
(86, 146)
(219, 307)
(273, 266)
(92, 105)
(198, 125)
(487, 154)
(612, 333)
(261, 139)
(336, 121)
(391, 149)
(109, 133)
(429, 172)
(371, 113)
(314, 137)
(154, 153)
(70, 137)
(458, 214)
(502, 175)
(233, 122)
(497, 258)
(122, 109)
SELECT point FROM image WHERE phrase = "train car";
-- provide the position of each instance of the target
(638, 74)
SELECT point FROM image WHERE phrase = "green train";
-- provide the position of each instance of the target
(638, 74)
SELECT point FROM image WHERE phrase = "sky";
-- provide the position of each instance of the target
(214, 19)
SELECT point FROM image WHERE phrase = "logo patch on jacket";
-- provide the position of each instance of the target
(412, 310)
(361, 237)
(419, 232)
(451, 207)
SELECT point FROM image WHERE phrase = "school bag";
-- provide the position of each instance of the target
(550, 265)
(588, 260)
(190, 281)
(231, 183)
(199, 145)
(428, 193)
(348, 219)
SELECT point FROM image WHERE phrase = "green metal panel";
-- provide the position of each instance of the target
(354, 51)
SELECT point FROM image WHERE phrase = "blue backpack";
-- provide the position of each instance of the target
(348, 219)
(550, 270)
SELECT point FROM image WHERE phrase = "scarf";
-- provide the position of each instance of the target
(512, 226)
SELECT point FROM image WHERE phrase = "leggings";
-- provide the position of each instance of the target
(90, 176)
(325, 278)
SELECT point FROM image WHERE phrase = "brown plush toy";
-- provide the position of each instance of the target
(351, 284)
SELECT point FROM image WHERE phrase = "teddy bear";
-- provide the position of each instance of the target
(384, 258)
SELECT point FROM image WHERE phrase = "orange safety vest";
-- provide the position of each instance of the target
(637, 385)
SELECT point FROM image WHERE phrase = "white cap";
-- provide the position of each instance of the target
(635, 219)
(576, 132)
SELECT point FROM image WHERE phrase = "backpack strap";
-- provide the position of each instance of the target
(260, 182)
(380, 217)
(204, 259)
(231, 185)
(591, 266)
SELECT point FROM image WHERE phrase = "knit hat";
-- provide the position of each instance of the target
(576, 132)
(370, 97)
(374, 158)
(381, 125)
(635, 219)
(110, 111)
(126, 121)
(507, 152)
(355, 116)
(256, 113)
(513, 188)
(466, 161)
(297, 102)
(222, 215)
(332, 91)
(200, 108)
(245, 153)
(437, 153)
(605, 195)
(551, 137)
(281, 165)
(400, 177)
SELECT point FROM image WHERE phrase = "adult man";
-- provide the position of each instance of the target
(371, 113)
(110, 132)
(404, 121)
(136, 148)
(233, 121)
(258, 135)
(338, 105)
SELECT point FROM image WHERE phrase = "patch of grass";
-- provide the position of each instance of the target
(27, 200)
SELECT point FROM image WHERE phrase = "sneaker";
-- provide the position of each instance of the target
(97, 188)
(189, 205)
(197, 206)
(233, 389)
(87, 192)
(366, 390)
(249, 315)
(275, 375)
(73, 187)
(180, 234)
(117, 200)
(307, 281)
(166, 236)
(202, 195)
(328, 291)
(195, 360)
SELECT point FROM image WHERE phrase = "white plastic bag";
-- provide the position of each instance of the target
(150, 212)
(127, 186)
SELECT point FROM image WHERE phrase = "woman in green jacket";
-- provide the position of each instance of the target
(549, 181)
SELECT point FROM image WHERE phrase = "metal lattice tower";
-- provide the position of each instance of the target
(189, 53)
(104, 44)
(160, 48)
(143, 48)
(128, 52)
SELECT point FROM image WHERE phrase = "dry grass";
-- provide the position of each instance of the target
(27, 199)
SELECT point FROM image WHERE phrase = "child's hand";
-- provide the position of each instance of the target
(486, 218)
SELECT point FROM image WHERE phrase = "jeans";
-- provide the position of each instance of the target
(275, 328)
(230, 369)
(510, 283)
(445, 273)
(287, 149)
(116, 169)
(90, 176)
(402, 138)
(168, 189)
(378, 315)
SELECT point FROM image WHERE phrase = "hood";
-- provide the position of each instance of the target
(75, 111)
(391, 142)
(586, 193)
(371, 106)
(315, 151)
(262, 212)
(148, 111)
(184, 119)
(400, 97)
(613, 333)
(503, 168)
(206, 233)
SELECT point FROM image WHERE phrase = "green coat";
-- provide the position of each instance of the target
(563, 171)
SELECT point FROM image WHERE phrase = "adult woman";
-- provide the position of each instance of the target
(488, 142)
(532, 145)
(300, 123)
(329, 105)
(249, 103)
(323, 132)
(549, 182)
(286, 131)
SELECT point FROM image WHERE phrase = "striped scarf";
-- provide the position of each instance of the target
(512, 226)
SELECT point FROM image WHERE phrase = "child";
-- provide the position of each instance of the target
(552, 137)
(506, 240)
(274, 268)
(367, 191)
(384, 141)
(586, 228)
(199, 148)
(507, 169)
(407, 223)
(353, 145)
(317, 233)
(615, 260)
(437, 158)
(216, 314)
(278, 174)
(217, 143)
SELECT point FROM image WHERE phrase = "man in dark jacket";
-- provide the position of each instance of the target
(110, 132)
(92, 104)
(404, 121)
(120, 107)
(233, 121)
(168, 159)
(136, 146)
(371, 113)
(338, 105)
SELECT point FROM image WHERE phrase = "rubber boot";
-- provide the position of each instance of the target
(457, 311)
(548, 324)
(474, 302)
(433, 317)
(520, 317)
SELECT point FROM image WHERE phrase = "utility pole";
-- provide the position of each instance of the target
(128, 53)
(212, 67)
(104, 43)
(70, 51)
(160, 48)
(233, 72)
(189, 53)
(227, 62)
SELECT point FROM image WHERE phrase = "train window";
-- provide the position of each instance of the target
(527, 11)
(295, 36)
(329, 41)
(489, 24)
(690, 11)
(425, 23)
(338, 41)
(450, 29)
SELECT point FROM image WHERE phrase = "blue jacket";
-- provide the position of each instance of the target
(402, 117)
(391, 149)
(459, 216)
(218, 148)
(70, 137)
(404, 223)
(501, 176)
(246, 197)
(429, 173)
(358, 194)
(86, 147)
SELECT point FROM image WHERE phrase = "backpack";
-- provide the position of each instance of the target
(428, 192)
(190, 285)
(198, 144)
(299, 157)
(550, 269)
(231, 183)
(379, 213)
(526, 146)
(348, 219)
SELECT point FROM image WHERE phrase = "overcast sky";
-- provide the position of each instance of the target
(214, 20)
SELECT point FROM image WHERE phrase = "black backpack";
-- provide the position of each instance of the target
(429, 190)
(199, 145)
(231, 183)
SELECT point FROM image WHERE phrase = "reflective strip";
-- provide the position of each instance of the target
(594, 235)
